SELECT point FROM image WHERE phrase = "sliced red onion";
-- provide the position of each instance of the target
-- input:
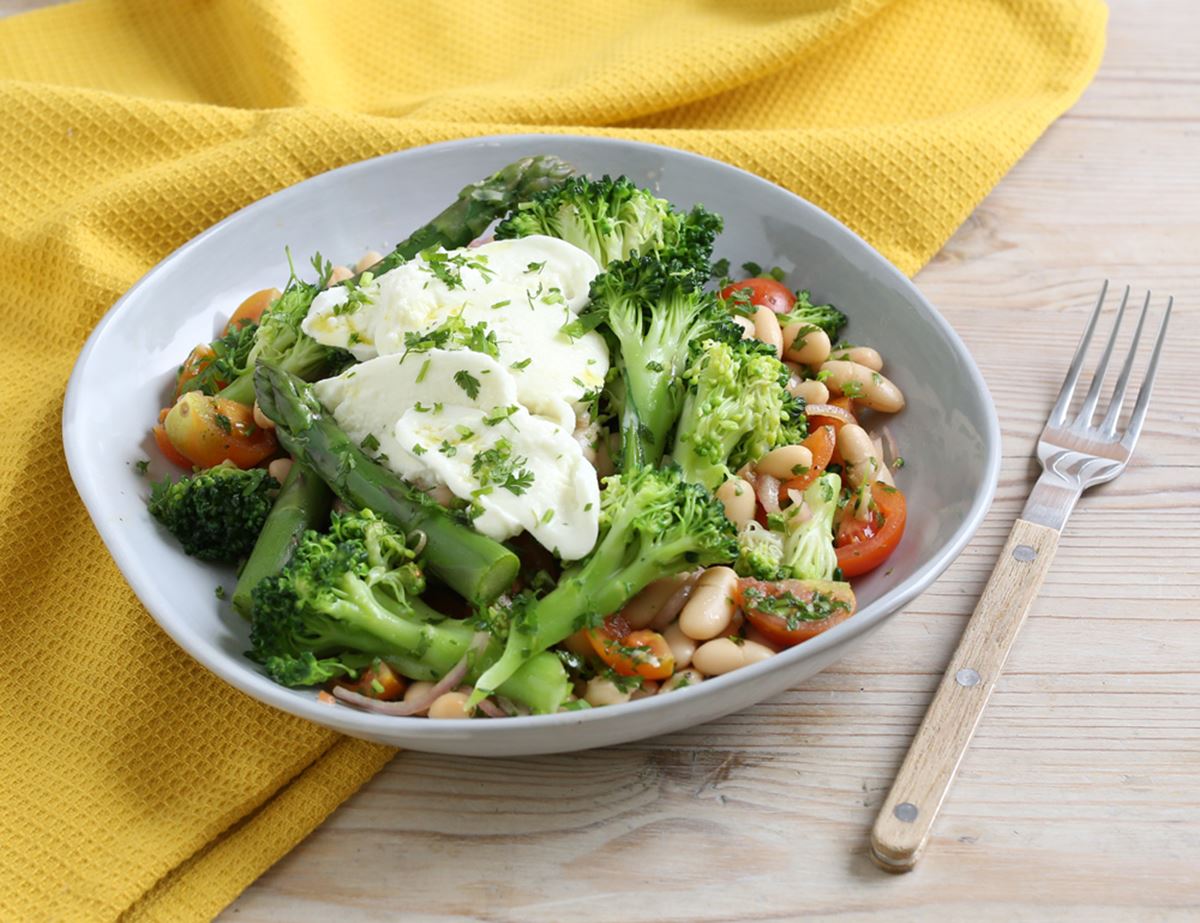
(766, 488)
(491, 709)
(675, 602)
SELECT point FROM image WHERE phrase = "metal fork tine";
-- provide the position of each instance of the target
(1059, 413)
(1143, 400)
(1109, 427)
(1084, 420)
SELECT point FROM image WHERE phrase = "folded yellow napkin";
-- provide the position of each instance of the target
(131, 781)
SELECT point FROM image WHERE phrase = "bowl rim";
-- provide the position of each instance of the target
(245, 677)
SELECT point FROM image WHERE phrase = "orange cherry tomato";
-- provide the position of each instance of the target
(862, 545)
(196, 362)
(821, 442)
(209, 430)
(787, 612)
(379, 681)
(830, 414)
(251, 310)
(641, 653)
(761, 292)
(169, 451)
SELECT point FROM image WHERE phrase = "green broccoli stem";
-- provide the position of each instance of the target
(303, 503)
(583, 597)
(471, 564)
(477, 206)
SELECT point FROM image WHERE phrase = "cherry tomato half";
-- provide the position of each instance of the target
(209, 430)
(761, 292)
(787, 612)
(642, 653)
(820, 442)
(862, 545)
(251, 310)
(378, 681)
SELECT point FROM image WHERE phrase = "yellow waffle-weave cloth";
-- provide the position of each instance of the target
(133, 783)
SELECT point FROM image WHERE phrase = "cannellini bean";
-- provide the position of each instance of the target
(863, 355)
(811, 390)
(787, 461)
(863, 465)
(710, 610)
(369, 259)
(746, 324)
(279, 468)
(648, 688)
(724, 655)
(805, 344)
(603, 691)
(417, 690)
(441, 494)
(339, 274)
(450, 705)
(681, 680)
(640, 611)
(738, 497)
(261, 420)
(766, 329)
(863, 384)
(682, 647)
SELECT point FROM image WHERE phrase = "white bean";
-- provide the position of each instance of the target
(279, 468)
(863, 355)
(648, 688)
(723, 655)
(603, 691)
(738, 498)
(805, 344)
(450, 705)
(863, 465)
(640, 611)
(859, 382)
(766, 329)
(787, 461)
(369, 259)
(339, 274)
(261, 420)
(682, 647)
(710, 610)
(811, 390)
(681, 680)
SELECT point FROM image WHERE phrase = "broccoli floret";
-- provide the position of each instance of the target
(760, 552)
(653, 524)
(656, 316)
(613, 219)
(216, 514)
(279, 340)
(736, 409)
(824, 316)
(808, 550)
(351, 595)
(230, 359)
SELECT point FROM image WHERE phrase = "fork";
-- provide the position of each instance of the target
(1075, 454)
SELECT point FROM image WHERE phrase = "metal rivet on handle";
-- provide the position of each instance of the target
(1024, 553)
(966, 677)
(906, 811)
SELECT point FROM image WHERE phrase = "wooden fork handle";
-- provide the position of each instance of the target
(908, 813)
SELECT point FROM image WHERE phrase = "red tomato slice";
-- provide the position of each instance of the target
(761, 292)
(251, 310)
(379, 681)
(642, 653)
(788, 612)
(864, 545)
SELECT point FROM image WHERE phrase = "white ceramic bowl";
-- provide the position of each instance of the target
(948, 433)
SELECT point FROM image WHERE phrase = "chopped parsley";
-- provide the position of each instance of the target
(468, 382)
(499, 466)
(223, 422)
(424, 369)
(142, 465)
(520, 366)
(500, 414)
(369, 443)
(448, 449)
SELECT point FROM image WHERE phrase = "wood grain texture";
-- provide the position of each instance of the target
(1080, 796)
(911, 807)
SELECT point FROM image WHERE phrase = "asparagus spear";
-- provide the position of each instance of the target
(469, 563)
(475, 208)
(303, 503)
(478, 205)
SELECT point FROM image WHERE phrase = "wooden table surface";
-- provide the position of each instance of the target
(1080, 798)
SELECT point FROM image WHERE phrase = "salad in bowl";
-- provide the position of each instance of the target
(545, 455)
